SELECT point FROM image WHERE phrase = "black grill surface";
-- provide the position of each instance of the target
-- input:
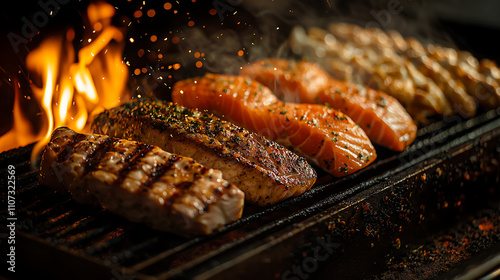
(451, 168)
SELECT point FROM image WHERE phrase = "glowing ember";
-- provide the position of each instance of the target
(140, 53)
(71, 92)
(151, 13)
(486, 226)
(138, 14)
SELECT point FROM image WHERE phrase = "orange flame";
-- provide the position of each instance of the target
(72, 92)
(14, 137)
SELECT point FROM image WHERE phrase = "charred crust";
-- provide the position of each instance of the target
(217, 191)
(205, 208)
(184, 185)
(227, 185)
(79, 137)
(134, 159)
(66, 151)
(171, 200)
(161, 169)
(95, 157)
(204, 170)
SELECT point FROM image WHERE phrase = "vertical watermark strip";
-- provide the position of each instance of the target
(11, 218)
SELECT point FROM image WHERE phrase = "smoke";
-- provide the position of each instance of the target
(220, 50)
(251, 30)
(412, 18)
(268, 25)
(239, 32)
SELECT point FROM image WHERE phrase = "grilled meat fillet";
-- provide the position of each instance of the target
(140, 182)
(325, 136)
(264, 170)
(381, 116)
(414, 55)
(439, 79)
(427, 79)
(367, 65)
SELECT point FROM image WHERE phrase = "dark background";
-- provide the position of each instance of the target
(259, 28)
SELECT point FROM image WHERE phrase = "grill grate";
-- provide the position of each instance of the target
(106, 243)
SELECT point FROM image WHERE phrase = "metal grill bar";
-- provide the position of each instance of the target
(73, 227)
(105, 239)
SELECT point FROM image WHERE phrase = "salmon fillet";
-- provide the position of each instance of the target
(383, 118)
(325, 136)
(264, 170)
(140, 182)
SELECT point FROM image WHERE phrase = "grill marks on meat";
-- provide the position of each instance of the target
(383, 118)
(427, 79)
(140, 182)
(264, 170)
(325, 136)
(459, 69)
